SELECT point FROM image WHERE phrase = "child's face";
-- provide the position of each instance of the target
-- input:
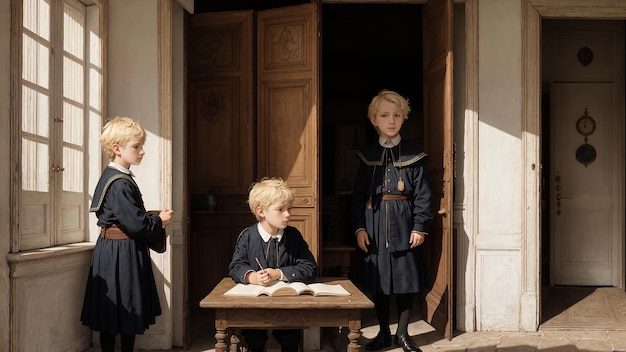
(388, 120)
(275, 217)
(131, 154)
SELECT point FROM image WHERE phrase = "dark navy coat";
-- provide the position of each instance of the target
(121, 295)
(391, 266)
(295, 259)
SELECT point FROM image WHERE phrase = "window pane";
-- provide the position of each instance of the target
(73, 80)
(35, 171)
(36, 15)
(74, 31)
(73, 124)
(35, 62)
(95, 52)
(35, 112)
(73, 173)
(95, 83)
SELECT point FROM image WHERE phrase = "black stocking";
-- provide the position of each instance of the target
(381, 303)
(404, 304)
(128, 343)
(107, 342)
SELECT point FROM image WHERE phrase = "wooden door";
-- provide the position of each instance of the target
(287, 109)
(220, 106)
(220, 110)
(586, 238)
(438, 145)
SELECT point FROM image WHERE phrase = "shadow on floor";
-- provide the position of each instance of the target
(583, 308)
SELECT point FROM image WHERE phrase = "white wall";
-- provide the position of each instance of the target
(135, 82)
(499, 230)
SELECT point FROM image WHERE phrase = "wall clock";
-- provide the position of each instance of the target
(585, 125)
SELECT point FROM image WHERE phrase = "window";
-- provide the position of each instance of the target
(60, 75)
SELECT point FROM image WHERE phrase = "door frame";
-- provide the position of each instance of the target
(532, 13)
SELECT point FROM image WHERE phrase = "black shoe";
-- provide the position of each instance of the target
(379, 342)
(406, 342)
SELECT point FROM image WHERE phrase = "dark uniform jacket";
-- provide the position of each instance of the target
(390, 265)
(295, 259)
(121, 294)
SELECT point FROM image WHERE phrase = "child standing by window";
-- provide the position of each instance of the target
(121, 295)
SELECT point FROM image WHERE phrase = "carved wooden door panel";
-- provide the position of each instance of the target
(438, 144)
(287, 108)
(220, 108)
(221, 103)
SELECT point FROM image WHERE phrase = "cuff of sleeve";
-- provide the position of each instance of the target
(245, 276)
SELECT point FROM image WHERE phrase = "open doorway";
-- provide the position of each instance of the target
(383, 52)
(583, 174)
(380, 48)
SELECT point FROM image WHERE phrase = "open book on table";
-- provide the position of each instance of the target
(281, 288)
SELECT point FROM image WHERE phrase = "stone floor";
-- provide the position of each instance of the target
(563, 330)
(565, 311)
(548, 341)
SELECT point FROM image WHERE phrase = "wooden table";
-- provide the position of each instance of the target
(293, 312)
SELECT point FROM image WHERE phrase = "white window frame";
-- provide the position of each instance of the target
(50, 202)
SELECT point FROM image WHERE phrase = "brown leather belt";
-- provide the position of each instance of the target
(113, 233)
(394, 197)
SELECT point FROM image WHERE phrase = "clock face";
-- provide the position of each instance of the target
(585, 125)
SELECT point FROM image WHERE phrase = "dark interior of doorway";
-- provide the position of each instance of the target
(379, 48)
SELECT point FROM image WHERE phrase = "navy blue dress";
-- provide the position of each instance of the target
(121, 295)
(391, 266)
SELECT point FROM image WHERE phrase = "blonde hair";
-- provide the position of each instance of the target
(120, 130)
(392, 97)
(268, 192)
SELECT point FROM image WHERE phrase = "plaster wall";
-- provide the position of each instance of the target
(132, 82)
(48, 296)
(5, 175)
(140, 85)
(500, 196)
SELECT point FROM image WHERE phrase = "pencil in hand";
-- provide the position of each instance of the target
(259, 263)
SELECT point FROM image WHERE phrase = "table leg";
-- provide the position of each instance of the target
(354, 336)
(220, 326)
(220, 344)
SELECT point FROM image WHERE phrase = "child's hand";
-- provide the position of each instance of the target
(362, 240)
(262, 277)
(166, 216)
(416, 239)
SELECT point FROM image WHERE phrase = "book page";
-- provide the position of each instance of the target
(279, 288)
(320, 289)
(301, 288)
(249, 290)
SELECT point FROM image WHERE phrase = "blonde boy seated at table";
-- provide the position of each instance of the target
(271, 250)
